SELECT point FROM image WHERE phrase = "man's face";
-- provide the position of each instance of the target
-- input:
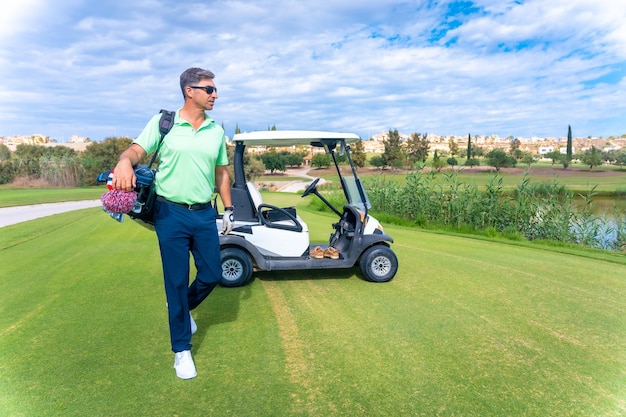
(200, 96)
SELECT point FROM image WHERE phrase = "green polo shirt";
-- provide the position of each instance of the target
(188, 158)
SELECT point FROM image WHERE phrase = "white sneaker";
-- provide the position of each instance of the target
(194, 327)
(183, 363)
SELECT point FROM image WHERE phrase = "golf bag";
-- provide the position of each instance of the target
(143, 210)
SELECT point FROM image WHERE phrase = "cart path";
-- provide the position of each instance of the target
(296, 186)
(18, 214)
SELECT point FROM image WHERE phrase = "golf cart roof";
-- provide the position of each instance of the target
(292, 137)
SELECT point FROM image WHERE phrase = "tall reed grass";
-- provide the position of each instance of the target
(534, 211)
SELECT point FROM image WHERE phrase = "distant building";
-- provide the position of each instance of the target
(373, 146)
(543, 150)
(78, 139)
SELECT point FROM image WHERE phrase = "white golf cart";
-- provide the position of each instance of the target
(270, 238)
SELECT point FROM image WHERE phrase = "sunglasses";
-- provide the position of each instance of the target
(209, 89)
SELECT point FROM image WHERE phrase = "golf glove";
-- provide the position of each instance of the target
(228, 220)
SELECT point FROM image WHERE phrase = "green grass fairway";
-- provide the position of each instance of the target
(607, 180)
(24, 196)
(469, 327)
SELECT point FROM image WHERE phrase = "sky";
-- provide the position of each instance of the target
(522, 68)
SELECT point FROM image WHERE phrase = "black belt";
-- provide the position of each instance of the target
(195, 206)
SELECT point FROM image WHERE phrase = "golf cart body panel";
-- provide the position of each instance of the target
(271, 238)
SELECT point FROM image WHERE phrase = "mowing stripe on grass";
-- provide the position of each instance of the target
(296, 363)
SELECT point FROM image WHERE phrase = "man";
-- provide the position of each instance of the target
(193, 162)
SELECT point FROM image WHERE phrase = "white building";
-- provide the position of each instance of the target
(543, 150)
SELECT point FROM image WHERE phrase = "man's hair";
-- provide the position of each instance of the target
(192, 76)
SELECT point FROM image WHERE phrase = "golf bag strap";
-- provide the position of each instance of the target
(165, 125)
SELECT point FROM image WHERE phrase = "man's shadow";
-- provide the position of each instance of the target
(221, 306)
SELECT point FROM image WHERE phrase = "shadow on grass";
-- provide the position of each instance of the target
(222, 306)
(218, 309)
(307, 275)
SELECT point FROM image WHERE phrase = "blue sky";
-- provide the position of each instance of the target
(522, 68)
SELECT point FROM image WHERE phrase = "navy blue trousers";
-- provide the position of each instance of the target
(180, 232)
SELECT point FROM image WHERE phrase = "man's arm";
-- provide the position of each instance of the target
(222, 183)
(123, 173)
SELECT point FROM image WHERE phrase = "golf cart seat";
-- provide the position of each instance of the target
(275, 231)
(246, 200)
(272, 216)
(255, 195)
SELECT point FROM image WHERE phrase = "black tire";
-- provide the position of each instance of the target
(236, 268)
(378, 264)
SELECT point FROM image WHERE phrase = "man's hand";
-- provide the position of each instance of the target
(124, 174)
(228, 220)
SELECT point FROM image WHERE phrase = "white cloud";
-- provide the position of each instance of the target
(504, 68)
(17, 17)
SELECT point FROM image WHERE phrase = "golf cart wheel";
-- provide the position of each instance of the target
(236, 268)
(378, 264)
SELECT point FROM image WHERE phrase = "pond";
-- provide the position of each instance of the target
(604, 204)
(604, 229)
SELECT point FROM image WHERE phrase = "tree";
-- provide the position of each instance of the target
(378, 161)
(437, 162)
(5, 152)
(568, 152)
(417, 147)
(469, 146)
(321, 160)
(528, 159)
(273, 161)
(102, 156)
(7, 172)
(454, 147)
(497, 158)
(515, 151)
(592, 158)
(477, 151)
(393, 153)
(357, 154)
(555, 156)
(26, 159)
(621, 158)
(452, 161)
(610, 156)
(252, 165)
(293, 159)
(253, 169)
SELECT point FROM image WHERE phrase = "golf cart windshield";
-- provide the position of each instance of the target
(352, 192)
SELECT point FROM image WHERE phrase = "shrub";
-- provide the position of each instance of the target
(542, 211)
(7, 172)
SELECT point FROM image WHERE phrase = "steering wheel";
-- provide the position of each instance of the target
(310, 188)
